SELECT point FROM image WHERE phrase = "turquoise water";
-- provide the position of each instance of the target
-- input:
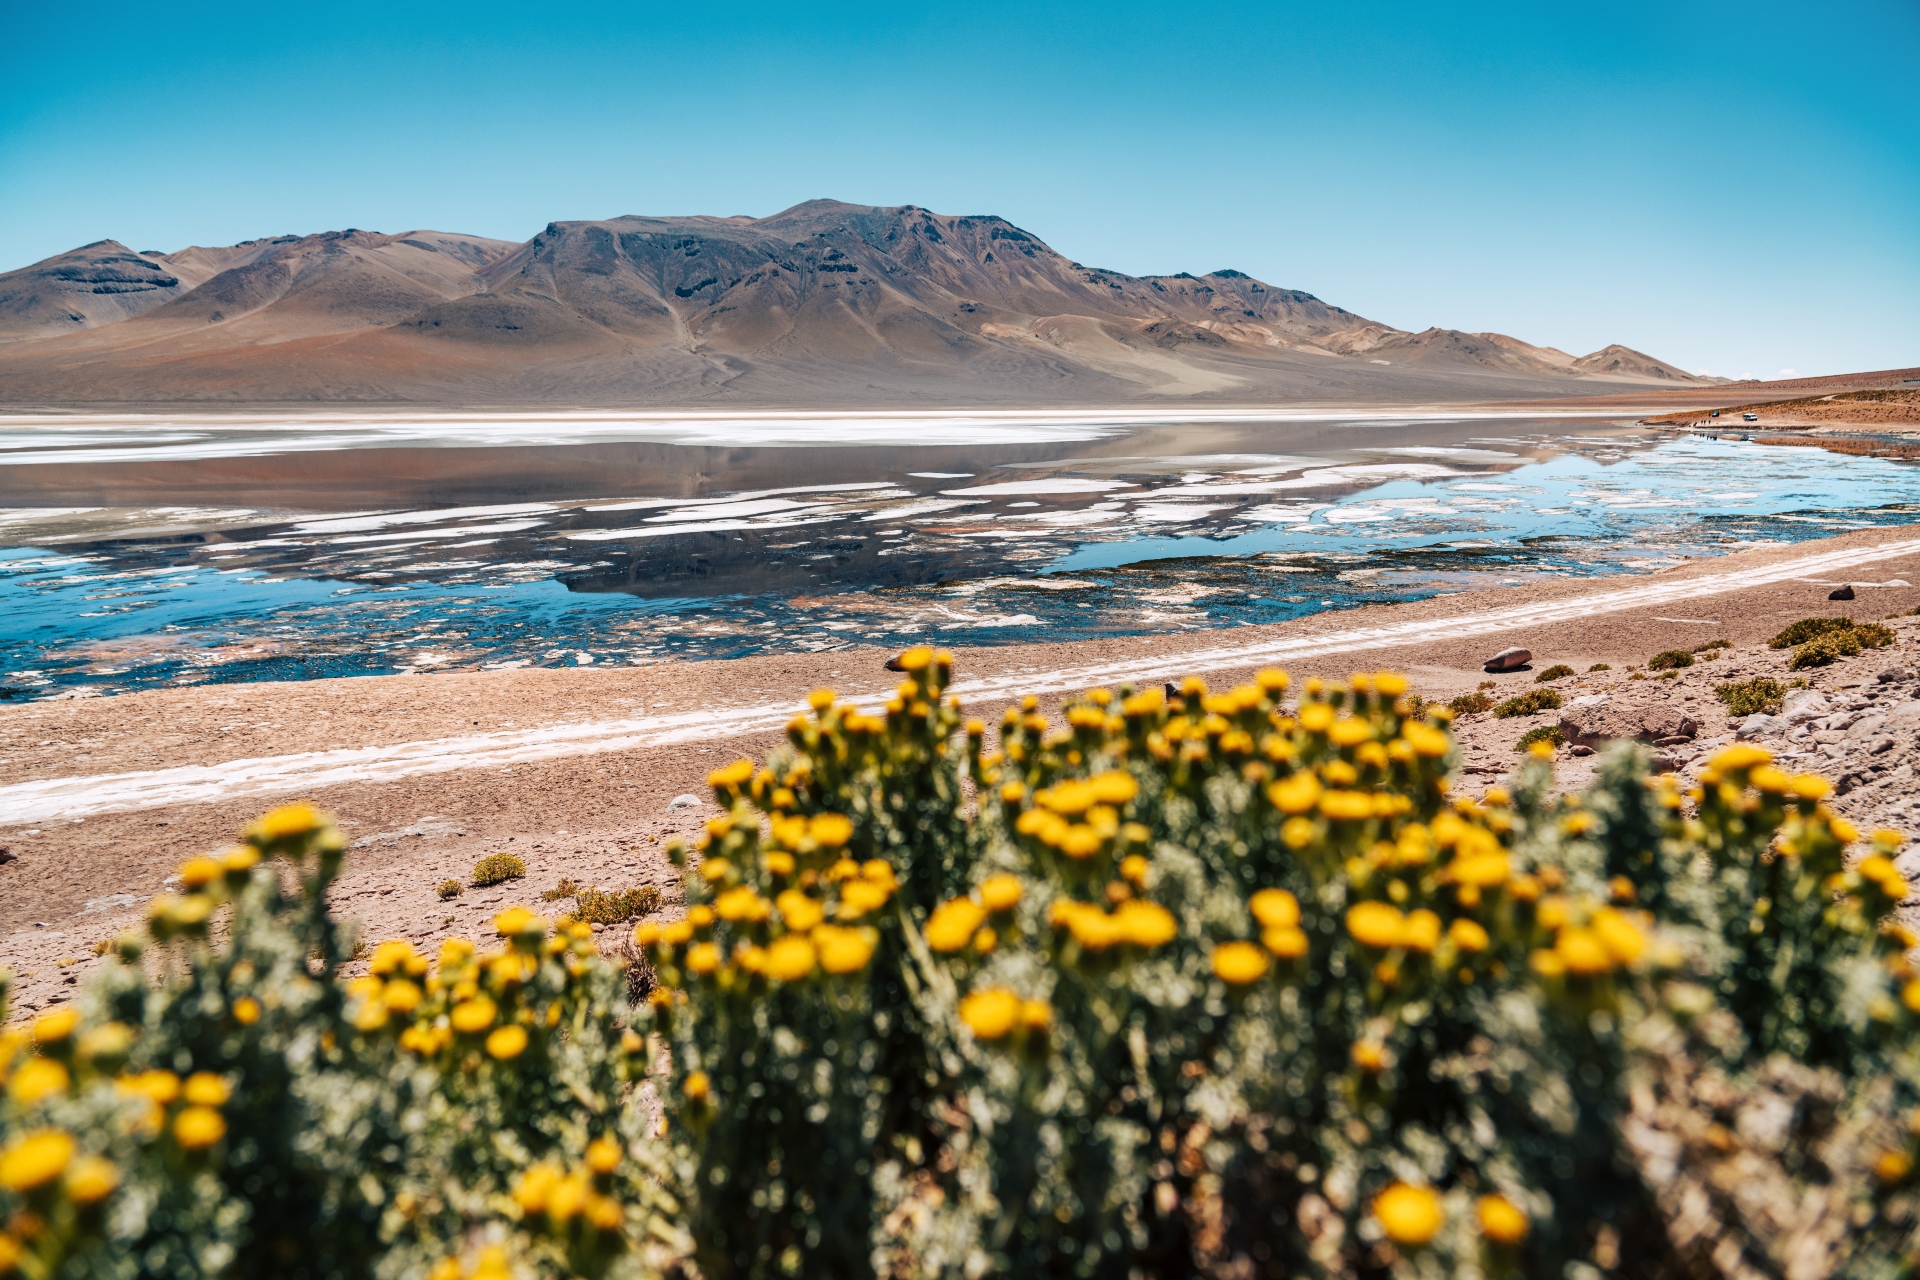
(101, 600)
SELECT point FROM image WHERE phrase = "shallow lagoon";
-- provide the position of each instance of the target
(180, 554)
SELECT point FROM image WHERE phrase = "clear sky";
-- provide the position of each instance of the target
(1734, 187)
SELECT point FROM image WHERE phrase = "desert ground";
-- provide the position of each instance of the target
(578, 771)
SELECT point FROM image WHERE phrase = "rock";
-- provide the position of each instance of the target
(1588, 724)
(686, 800)
(1840, 593)
(1581, 750)
(1894, 675)
(1509, 660)
(7, 855)
(1760, 724)
(893, 664)
(1803, 705)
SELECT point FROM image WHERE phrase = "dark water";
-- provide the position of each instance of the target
(174, 561)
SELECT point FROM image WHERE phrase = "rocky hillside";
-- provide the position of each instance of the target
(824, 303)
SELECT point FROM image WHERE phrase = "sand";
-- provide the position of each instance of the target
(101, 799)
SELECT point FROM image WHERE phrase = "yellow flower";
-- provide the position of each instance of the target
(1002, 892)
(1768, 778)
(676, 933)
(820, 699)
(1481, 870)
(1036, 1015)
(1421, 932)
(197, 873)
(1275, 908)
(1297, 794)
(696, 1086)
(108, 1040)
(1376, 924)
(515, 921)
(57, 1025)
(1581, 951)
(1285, 941)
(1809, 786)
(1239, 963)
(371, 1016)
(952, 924)
(1501, 1220)
(401, 996)
(35, 1159)
(1369, 1055)
(789, 958)
(1425, 740)
(604, 1212)
(1623, 942)
(731, 775)
(1892, 1166)
(1409, 1215)
(830, 830)
(1468, 935)
(158, 1086)
(1316, 717)
(506, 1042)
(603, 1155)
(199, 1127)
(92, 1179)
(1349, 806)
(205, 1089)
(240, 858)
(857, 897)
(246, 1011)
(1145, 924)
(474, 1015)
(38, 1079)
(1133, 869)
(990, 1013)
(741, 903)
(780, 863)
(396, 954)
(285, 822)
(842, 950)
(1349, 731)
(9, 1253)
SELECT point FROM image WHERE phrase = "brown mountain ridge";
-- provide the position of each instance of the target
(823, 305)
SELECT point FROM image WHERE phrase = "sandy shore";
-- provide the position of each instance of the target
(100, 799)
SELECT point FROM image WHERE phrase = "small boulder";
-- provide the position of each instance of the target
(1588, 722)
(685, 800)
(893, 663)
(1840, 593)
(1509, 660)
(1894, 675)
(1760, 725)
(1804, 705)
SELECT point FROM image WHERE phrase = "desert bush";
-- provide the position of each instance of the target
(1547, 733)
(497, 868)
(1598, 666)
(1749, 697)
(1470, 704)
(560, 892)
(1532, 702)
(1718, 642)
(1807, 629)
(614, 906)
(1670, 660)
(448, 889)
(1558, 671)
(1824, 650)
(1240, 988)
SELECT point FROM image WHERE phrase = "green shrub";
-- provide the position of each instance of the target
(1718, 642)
(1806, 629)
(1532, 702)
(497, 868)
(1151, 992)
(1751, 697)
(448, 889)
(1873, 636)
(1598, 666)
(1670, 660)
(565, 889)
(1470, 704)
(598, 906)
(1823, 650)
(1559, 671)
(1549, 733)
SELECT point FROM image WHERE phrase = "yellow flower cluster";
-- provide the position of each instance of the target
(562, 1199)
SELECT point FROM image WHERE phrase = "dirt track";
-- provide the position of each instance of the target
(101, 799)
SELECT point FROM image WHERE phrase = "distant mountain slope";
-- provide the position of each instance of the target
(824, 303)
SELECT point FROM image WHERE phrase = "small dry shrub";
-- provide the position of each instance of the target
(603, 906)
(1807, 629)
(448, 889)
(1558, 671)
(497, 868)
(565, 889)
(1541, 733)
(1470, 703)
(1751, 697)
(1598, 666)
(1532, 702)
(1670, 660)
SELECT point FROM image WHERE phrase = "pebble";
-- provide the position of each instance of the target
(685, 800)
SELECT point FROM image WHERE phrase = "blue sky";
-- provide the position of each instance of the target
(1734, 187)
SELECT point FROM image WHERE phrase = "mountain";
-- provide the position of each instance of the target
(824, 304)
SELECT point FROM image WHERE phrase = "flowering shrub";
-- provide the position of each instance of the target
(1225, 984)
